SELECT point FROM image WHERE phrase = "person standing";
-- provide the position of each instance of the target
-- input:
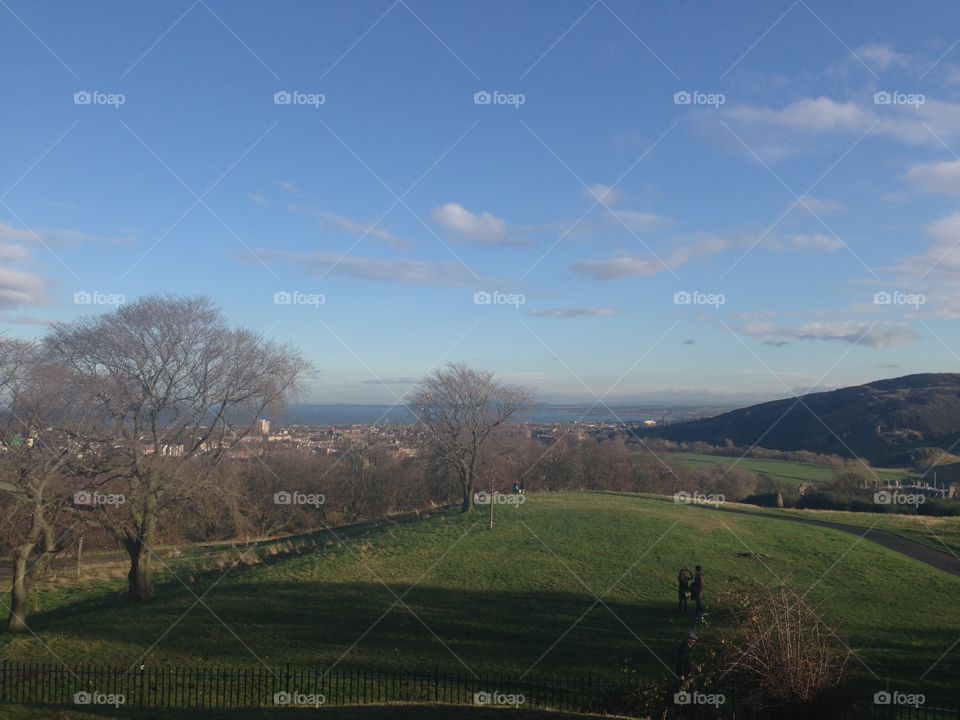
(684, 669)
(696, 588)
(683, 579)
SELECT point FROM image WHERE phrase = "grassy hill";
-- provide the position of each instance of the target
(882, 421)
(521, 596)
(940, 533)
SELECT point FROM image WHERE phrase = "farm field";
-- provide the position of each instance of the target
(450, 592)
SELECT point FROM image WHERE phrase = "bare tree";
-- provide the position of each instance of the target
(39, 460)
(460, 409)
(175, 389)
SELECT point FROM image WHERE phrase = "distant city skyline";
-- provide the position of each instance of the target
(604, 201)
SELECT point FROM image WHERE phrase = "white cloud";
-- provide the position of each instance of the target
(702, 247)
(929, 123)
(895, 198)
(10, 252)
(574, 312)
(818, 206)
(621, 267)
(352, 227)
(882, 57)
(18, 288)
(257, 199)
(934, 272)
(482, 229)
(804, 242)
(941, 259)
(625, 266)
(24, 319)
(605, 194)
(807, 115)
(858, 333)
(937, 177)
(404, 271)
(641, 222)
(55, 236)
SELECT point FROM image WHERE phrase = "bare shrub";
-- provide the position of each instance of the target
(780, 647)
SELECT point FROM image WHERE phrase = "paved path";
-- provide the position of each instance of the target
(918, 551)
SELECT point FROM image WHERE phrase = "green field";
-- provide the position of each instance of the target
(520, 597)
(785, 473)
(941, 533)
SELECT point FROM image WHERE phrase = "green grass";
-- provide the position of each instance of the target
(785, 473)
(520, 596)
(941, 533)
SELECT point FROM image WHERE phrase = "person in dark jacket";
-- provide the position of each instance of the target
(683, 579)
(696, 589)
(684, 668)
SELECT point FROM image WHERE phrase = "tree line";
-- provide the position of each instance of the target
(111, 421)
(121, 430)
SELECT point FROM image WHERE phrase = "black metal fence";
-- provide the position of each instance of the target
(261, 686)
(212, 687)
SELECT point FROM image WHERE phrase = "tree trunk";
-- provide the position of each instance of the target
(18, 594)
(139, 587)
(22, 570)
(467, 478)
(139, 547)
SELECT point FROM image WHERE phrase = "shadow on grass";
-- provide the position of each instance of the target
(365, 623)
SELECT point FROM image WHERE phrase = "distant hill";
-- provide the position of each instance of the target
(887, 421)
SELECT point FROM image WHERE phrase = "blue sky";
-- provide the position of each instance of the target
(790, 169)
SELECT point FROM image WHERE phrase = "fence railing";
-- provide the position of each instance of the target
(261, 686)
(212, 687)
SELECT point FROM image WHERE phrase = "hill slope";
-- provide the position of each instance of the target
(523, 596)
(882, 421)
